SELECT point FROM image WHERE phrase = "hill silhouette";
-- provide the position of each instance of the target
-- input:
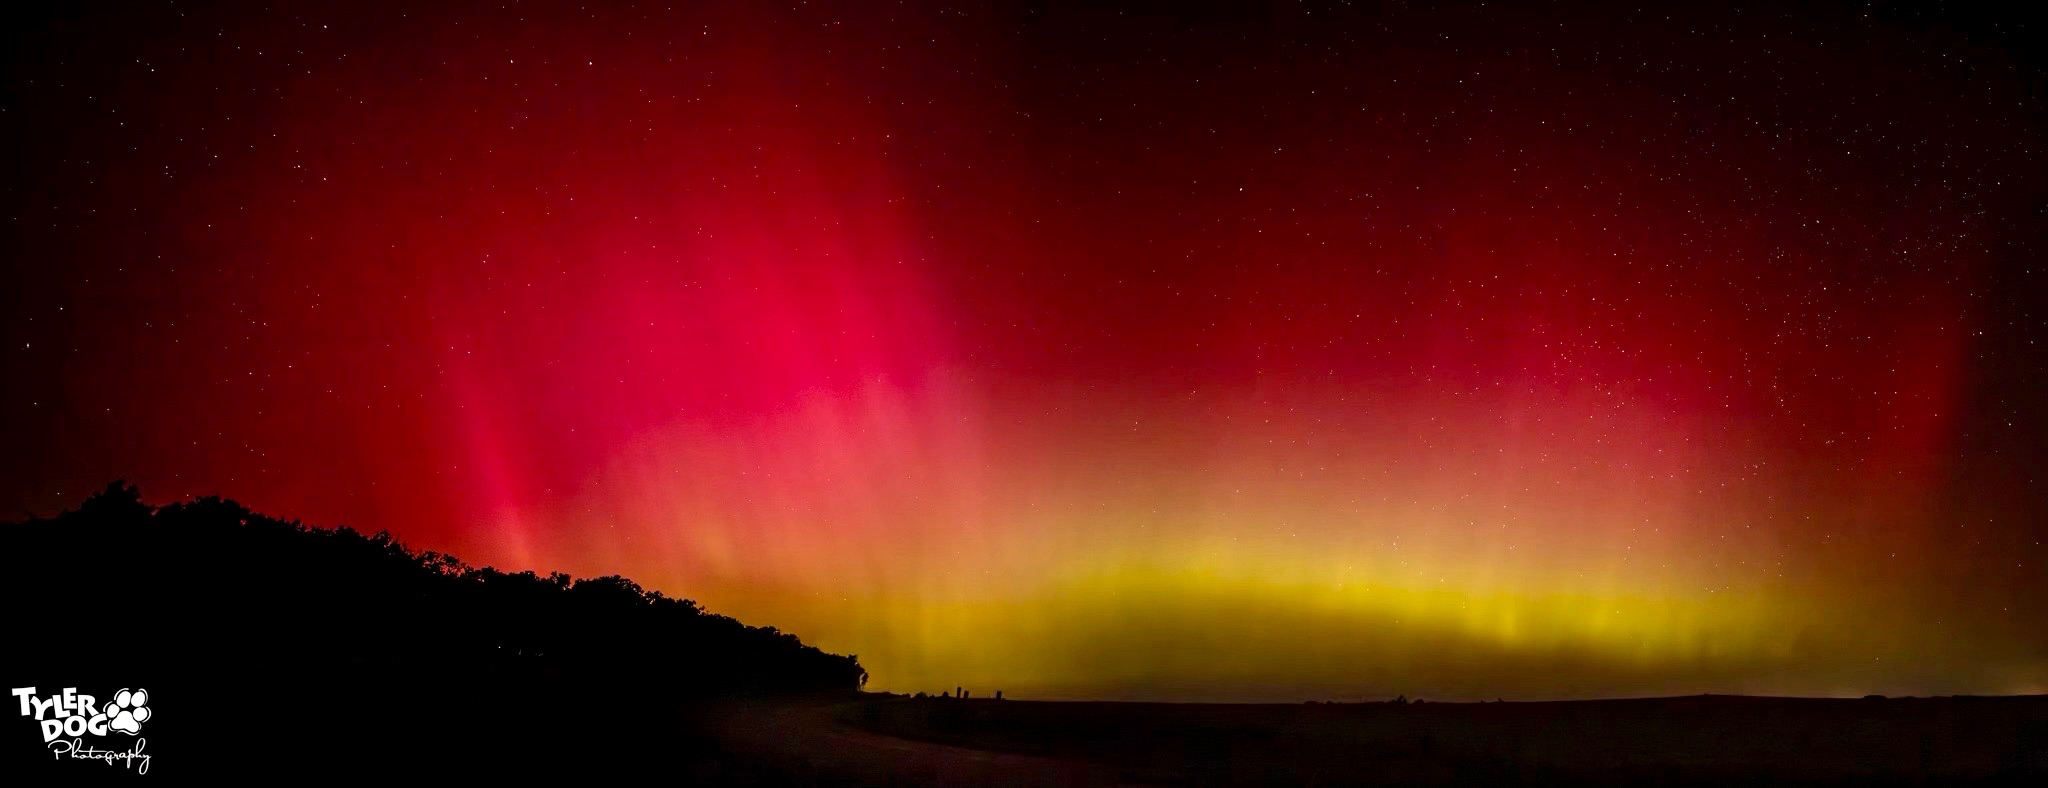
(275, 640)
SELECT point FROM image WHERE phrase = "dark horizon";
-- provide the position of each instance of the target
(93, 521)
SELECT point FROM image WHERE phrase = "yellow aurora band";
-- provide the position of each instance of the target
(1301, 557)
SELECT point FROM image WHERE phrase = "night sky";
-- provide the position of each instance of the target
(1286, 352)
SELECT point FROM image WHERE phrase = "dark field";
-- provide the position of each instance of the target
(1704, 740)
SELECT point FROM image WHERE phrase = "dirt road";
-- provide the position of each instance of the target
(803, 742)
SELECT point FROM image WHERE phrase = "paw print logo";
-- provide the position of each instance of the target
(127, 711)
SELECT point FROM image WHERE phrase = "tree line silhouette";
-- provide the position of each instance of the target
(288, 639)
(212, 574)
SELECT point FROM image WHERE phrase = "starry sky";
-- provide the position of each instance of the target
(1079, 350)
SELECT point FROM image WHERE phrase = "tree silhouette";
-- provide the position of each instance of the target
(211, 571)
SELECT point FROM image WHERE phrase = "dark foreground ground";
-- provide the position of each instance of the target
(1705, 740)
(483, 727)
